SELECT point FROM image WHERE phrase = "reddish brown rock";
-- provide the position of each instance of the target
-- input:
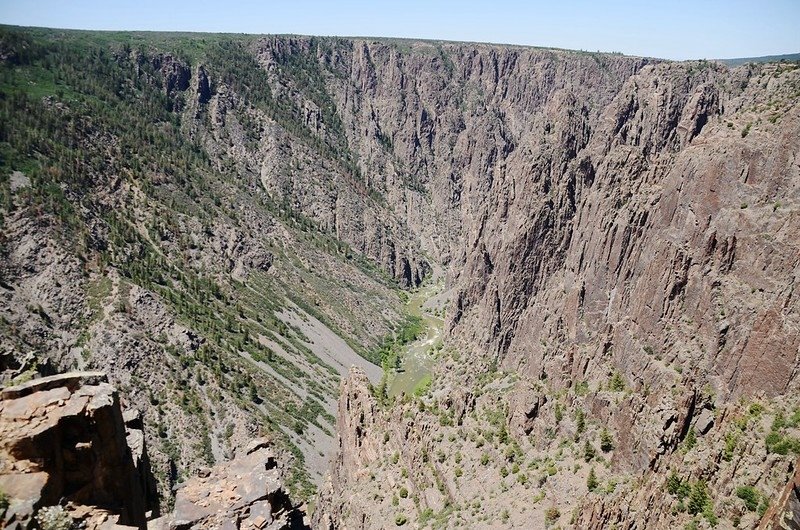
(63, 439)
(245, 493)
(784, 513)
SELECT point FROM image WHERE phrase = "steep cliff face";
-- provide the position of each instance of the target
(629, 237)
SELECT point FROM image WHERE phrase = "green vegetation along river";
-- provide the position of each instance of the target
(416, 359)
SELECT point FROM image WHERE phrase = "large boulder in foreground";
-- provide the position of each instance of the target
(244, 493)
(64, 453)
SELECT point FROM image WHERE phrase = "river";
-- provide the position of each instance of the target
(417, 357)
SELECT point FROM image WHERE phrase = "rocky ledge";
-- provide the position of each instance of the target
(245, 493)
(65, 455)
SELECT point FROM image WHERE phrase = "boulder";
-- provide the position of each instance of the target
(63, 441)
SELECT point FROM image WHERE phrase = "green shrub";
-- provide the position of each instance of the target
(674, 483)
(403, 492)
(616, 384)
(780, 444)
(711, 517)
(698, 498)
(559, 412)
(400, 520)
(750, 497)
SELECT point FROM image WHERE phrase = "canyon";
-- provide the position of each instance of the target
(229, 227)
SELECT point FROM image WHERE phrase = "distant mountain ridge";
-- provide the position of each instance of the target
(787, 57)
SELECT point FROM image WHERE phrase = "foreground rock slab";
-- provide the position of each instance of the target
(245, 493)
(63, 444)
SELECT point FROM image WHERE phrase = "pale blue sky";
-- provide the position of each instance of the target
(677, 29)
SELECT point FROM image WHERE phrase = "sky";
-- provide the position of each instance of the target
(676, 29)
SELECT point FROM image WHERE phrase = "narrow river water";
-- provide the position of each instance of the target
(417, 356)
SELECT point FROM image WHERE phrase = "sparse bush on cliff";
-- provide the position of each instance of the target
(750, 497)
(551, 515)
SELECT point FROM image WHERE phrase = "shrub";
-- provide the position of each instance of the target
(698, 498)
(400, 520)
(780, 444)
(551, 515)
(750, 497)
(708, 513)
(484, 459)
(616, 384)
(4, 502)
(403, 492)
(678, 487)
(731, 439)
(559, 412)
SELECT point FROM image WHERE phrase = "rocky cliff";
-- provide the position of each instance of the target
(623, 248)
(64, 442)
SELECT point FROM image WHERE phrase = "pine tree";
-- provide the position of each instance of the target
(606, 441)
(589, 451)
(580, 422)
(591, 480)
(691, 439)
(698, 498)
